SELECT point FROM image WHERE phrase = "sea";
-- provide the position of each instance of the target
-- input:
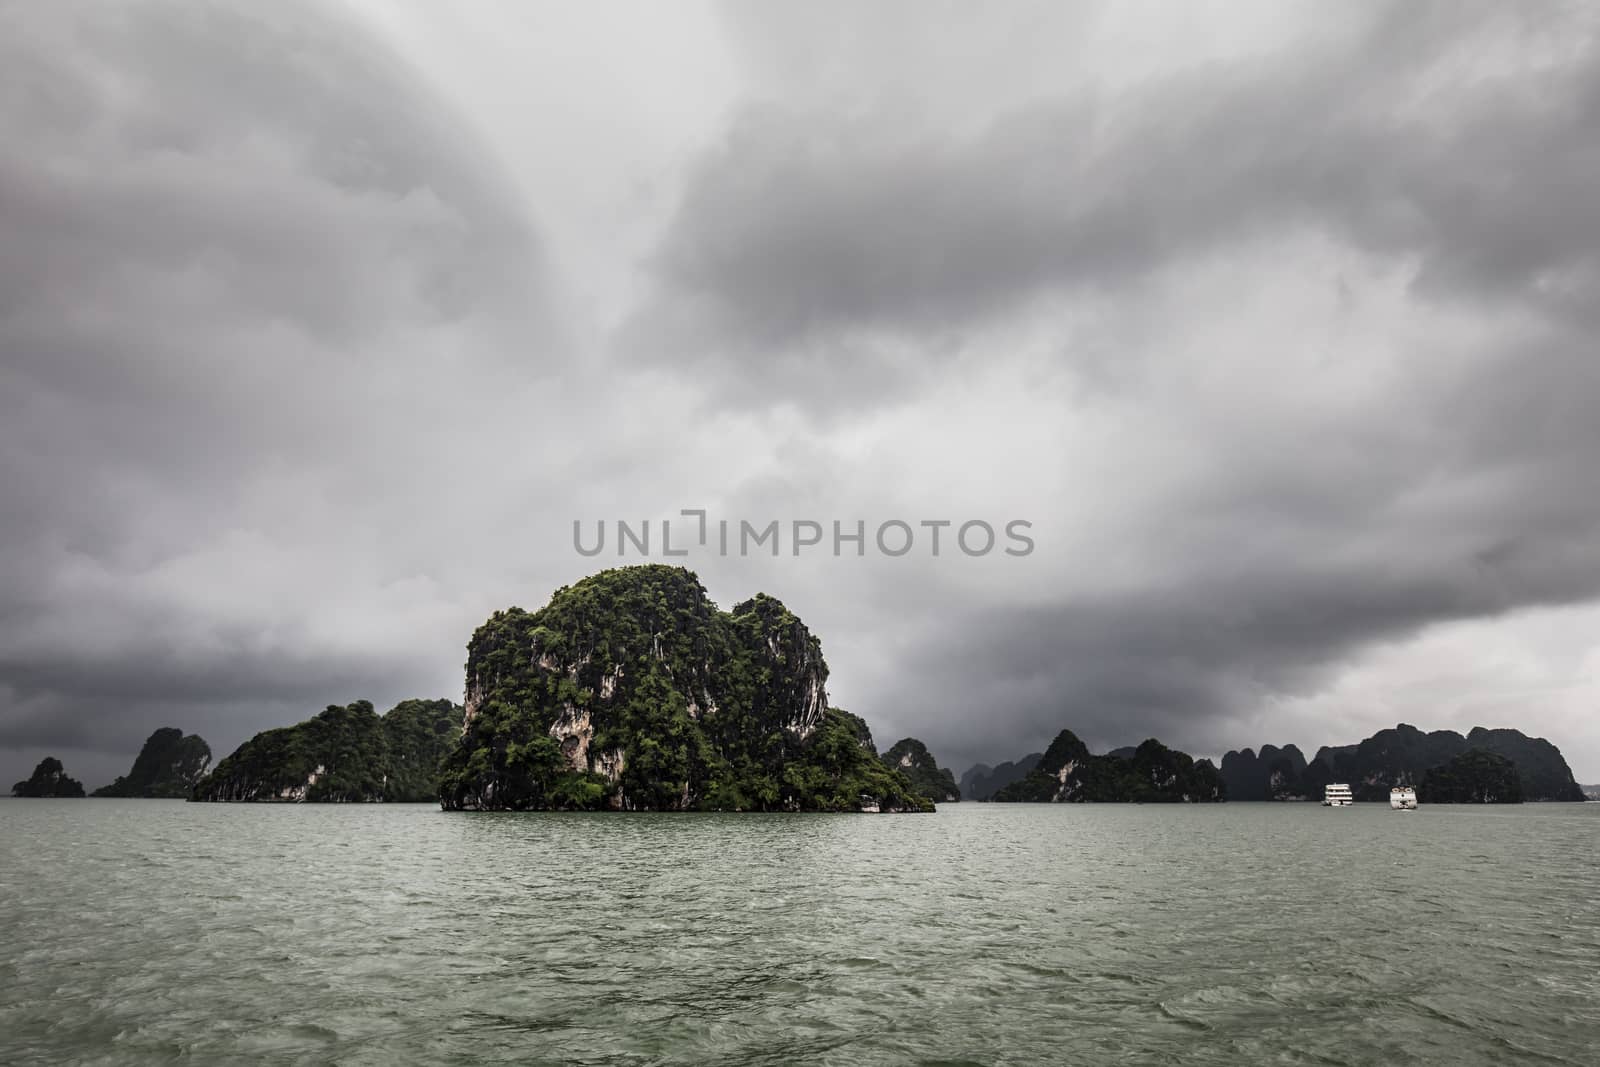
(136, 932)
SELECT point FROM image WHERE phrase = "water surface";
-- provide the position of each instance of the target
(151, 932)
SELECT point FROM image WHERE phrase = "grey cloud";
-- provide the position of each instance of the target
(1192, 664)
(1294, 555)
(804, 234)
(289, 400)
(839, 257)
(250, 273)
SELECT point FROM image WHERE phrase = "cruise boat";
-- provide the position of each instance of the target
(1337, 795)
(1403, 798)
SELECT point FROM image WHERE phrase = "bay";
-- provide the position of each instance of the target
(156, 932)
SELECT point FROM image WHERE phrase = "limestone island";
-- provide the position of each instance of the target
(343, 755)
(632, 691)
(1499, 766)
(49, 779)
(912, 757)
(1151, 773)
(167, 767)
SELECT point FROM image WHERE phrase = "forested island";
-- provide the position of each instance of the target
(49, 779)
(346, 754)
(1151, 773)
(168, 767)
(912, 758)
(1474, 777)
(631, 691)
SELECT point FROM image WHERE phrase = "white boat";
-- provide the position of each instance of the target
(1337, 795)
(1403, 798)
(869, 803)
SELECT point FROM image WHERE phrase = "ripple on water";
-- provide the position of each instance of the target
(144, 933)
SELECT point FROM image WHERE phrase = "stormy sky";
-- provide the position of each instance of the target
(321, 324)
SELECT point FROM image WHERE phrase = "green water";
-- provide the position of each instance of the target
(147, 932)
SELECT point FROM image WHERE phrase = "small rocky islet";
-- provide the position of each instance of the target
(49, 779)
(912, 758)
(631, 691)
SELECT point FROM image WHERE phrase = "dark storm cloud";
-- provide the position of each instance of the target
(1298, 548)
(814, 247)
(1286, 348)
(1185, 663)
(804, 232)
(223, 229)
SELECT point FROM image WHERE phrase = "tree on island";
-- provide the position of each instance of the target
(49, 780)
(1474, 777)
(345, 754)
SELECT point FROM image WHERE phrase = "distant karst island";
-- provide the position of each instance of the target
(49, 779)
(631, 691)
(167, 768)
(1150, 773)
(348, 754)
(913, 758)
(1485, 766)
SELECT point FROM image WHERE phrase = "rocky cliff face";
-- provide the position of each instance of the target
(345, 754)
(631, 690)
(1403, 755)
(168, 766)
(49, 779)
(912, 758)
(1153, 773)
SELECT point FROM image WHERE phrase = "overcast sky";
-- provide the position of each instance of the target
(320, 325)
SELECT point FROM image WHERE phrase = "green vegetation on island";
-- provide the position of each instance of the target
(912, 758)
(417, 734)
(49, 779)
(1152, 773)
(168, 766)
(1475, 776)
(840, 764)
(631, 690)
(345, 754)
